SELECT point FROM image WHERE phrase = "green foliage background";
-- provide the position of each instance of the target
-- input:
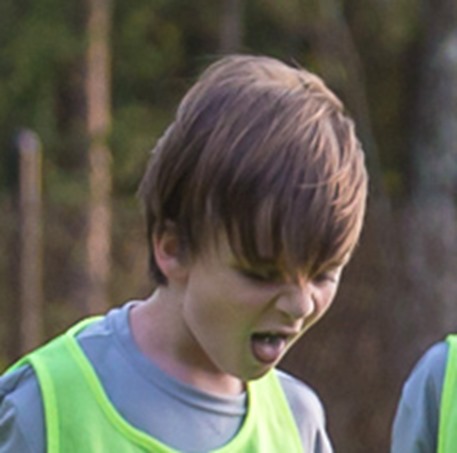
(158, 49)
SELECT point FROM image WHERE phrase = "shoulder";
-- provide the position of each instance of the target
(421, 393)
(308, 413)
(21, 413)
(416, 419)
(434, 357)
(21, 409)
(301, 397)
(428, 374)
(104, 329)
(22, 422)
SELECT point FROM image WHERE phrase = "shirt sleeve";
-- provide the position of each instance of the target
(21, 414)
(308, 413)
(415, 427)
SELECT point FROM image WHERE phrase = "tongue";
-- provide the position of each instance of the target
(267, 349)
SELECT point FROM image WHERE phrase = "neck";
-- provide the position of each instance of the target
(160, 331)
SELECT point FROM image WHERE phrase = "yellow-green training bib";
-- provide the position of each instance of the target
(79, 417)
(447, 428)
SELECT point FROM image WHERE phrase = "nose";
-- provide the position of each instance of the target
(297, 301)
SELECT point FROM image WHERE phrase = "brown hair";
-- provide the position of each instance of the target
(265, 153)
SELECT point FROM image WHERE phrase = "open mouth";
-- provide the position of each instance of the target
(267, 347)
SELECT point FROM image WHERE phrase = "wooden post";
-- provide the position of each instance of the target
(31, 267)
(98, 86)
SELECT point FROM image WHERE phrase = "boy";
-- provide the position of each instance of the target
(254, 201)
(426, 417)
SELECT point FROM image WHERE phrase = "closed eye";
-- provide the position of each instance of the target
(261, 276)
(332, 276)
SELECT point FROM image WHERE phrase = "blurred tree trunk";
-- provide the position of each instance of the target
(341, 67)
(98, 86)
(432, 219)
(31, 260)
(231, 28)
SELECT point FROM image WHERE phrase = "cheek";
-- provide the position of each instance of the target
(326, 299)
(212, 303)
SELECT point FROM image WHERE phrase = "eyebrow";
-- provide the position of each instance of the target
(274, 265)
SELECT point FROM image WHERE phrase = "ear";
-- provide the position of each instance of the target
(169, 254)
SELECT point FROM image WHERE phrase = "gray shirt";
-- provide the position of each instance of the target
(175, 413)
(415, 428)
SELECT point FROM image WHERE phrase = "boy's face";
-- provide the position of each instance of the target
(243, 319)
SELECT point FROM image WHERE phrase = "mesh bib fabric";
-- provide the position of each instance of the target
(79, 417)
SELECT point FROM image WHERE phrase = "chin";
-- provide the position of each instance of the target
(256, 374)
